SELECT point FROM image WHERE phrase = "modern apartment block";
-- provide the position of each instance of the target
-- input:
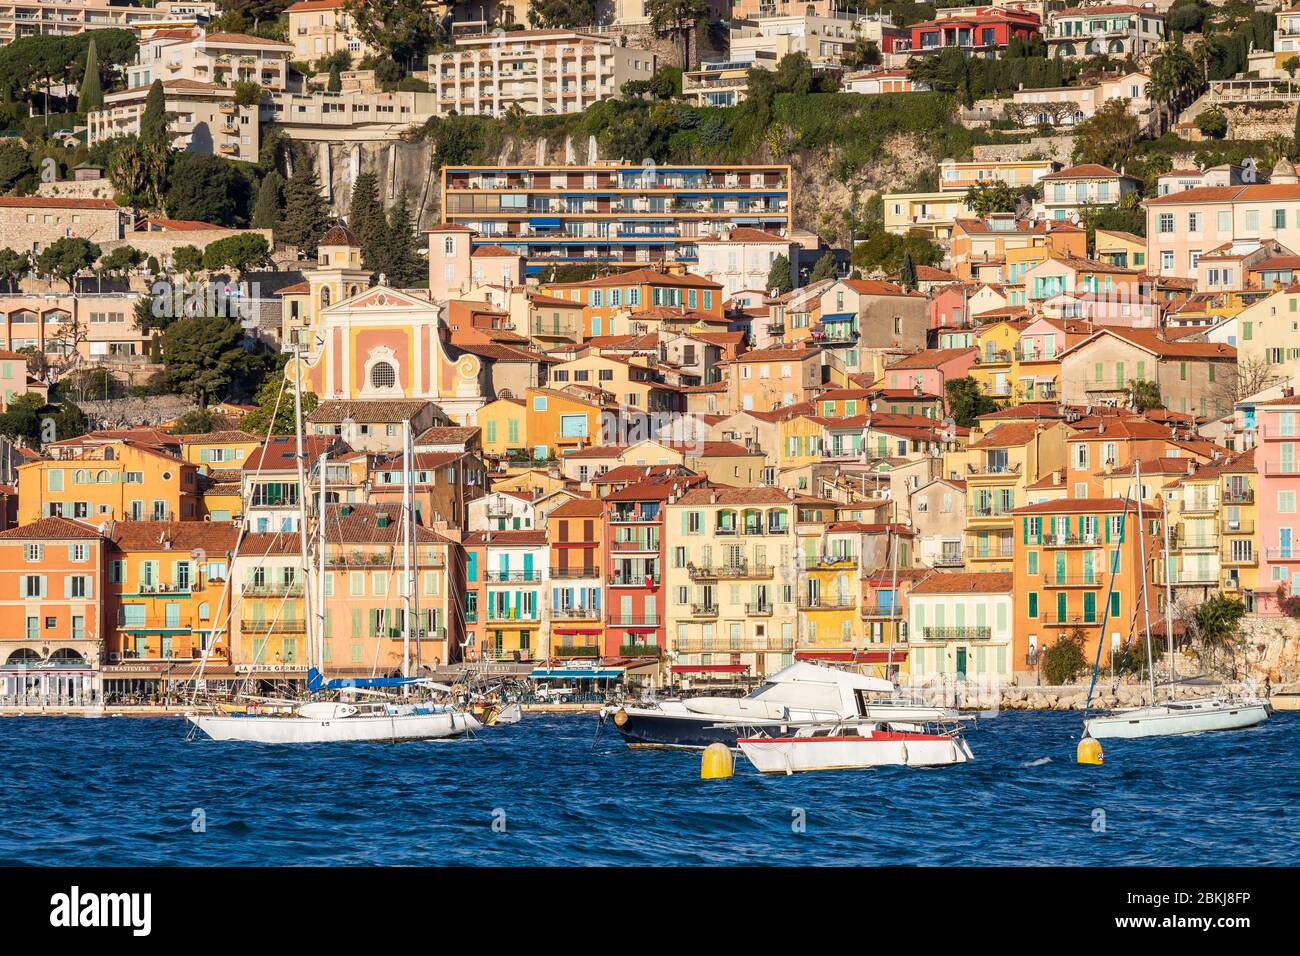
(29, 18)
(613, 212)
(537, 71)
(202, 117)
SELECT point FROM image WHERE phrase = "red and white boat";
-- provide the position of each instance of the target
(857, 745)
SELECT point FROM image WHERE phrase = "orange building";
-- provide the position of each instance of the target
(1065, 552)
(123, 480)
(611, 302)
(576, 531)
(51, 612)
(167, 603)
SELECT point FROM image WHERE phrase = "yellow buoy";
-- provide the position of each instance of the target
(1090, 751)
(717, 763)
(620, 717)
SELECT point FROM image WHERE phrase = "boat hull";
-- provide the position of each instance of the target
(1171, 722)
(655, 729)
(379, 728)
(804, 754)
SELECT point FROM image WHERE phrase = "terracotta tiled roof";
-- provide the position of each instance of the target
(966, 582)
(580, 508)
(51, 529)
(735, 496)
(1009, 435)
(339, 235)
(387, 410)
(447, 434)
(1086, 171)
(174, 535)
(278, 452)
(506, 538)
(1072, 505)
(930, 358)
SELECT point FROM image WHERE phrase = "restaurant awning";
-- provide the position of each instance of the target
(853, 657)
(576, 673)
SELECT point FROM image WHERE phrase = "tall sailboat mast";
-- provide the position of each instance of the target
(407, 537)
(319, 649)
(1146, 604)
(303, 493)
(1169, 601)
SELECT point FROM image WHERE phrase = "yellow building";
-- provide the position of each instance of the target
(1121, 249)
(995, 367)
(121, 480)
(729, 579)
(504, 427)
(801, 442)
(218, 449)
(931, 213)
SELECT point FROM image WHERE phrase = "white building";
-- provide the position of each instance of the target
(740, 258)
(539, 71)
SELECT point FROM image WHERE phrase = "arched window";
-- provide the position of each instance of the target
(383, 375)
(104, 477)
(108, 454)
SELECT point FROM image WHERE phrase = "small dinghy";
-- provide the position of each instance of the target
(857, 745)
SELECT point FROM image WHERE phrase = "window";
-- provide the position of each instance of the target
(383, 375)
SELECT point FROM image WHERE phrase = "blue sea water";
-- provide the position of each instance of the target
(121, 791)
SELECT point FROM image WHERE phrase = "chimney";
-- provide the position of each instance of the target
(1058, 478)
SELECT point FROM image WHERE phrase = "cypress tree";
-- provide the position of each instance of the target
(91, 95)
(335, 83)
(266, 214)
(907, 271)
(402, 263)
(306, 214)
(365, 214)
(153, 123)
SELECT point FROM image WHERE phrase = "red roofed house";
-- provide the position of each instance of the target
(983, 33)
(39, 220)
(929, 370)
(1069, 191)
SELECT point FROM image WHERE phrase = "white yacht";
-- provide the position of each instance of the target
(857, 745)
(800, 693)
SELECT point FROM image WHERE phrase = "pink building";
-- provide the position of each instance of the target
(930, 369)
(1277, 430)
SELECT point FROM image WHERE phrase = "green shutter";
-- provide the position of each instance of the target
(1033, 604)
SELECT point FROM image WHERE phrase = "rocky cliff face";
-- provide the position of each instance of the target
(820, 200)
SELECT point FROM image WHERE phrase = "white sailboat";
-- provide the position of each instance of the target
(350, 719)
(1172, 718)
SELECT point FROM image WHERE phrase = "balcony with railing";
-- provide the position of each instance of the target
(1240, 559)
(1093, 580)
(949, 559)
(832, 562)
(882, 612)
(761, 609)
(635, 516)
(576, 650)
(576, 614)
(827, 603)
(558, 571)
(957, 633)
(532, 576)
(1090, 540)
(994, 469)
(1291, 553)
(742, 569)
(993, 552)
(704, 610)
(1238, 496)
(154, 623)
(281, 626)
(699, 645)
(639, 543)
(630, 580)
(1236, 526)
(273, 589)
(512, 615)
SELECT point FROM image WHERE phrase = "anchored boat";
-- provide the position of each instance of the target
(802, 692)
(857, 745)
(1172, 718)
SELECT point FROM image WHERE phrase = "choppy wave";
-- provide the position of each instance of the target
(549, 791)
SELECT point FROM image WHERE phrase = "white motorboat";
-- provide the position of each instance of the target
(802, 692)
(856, 745)
(1179, 717)
(511, 713)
